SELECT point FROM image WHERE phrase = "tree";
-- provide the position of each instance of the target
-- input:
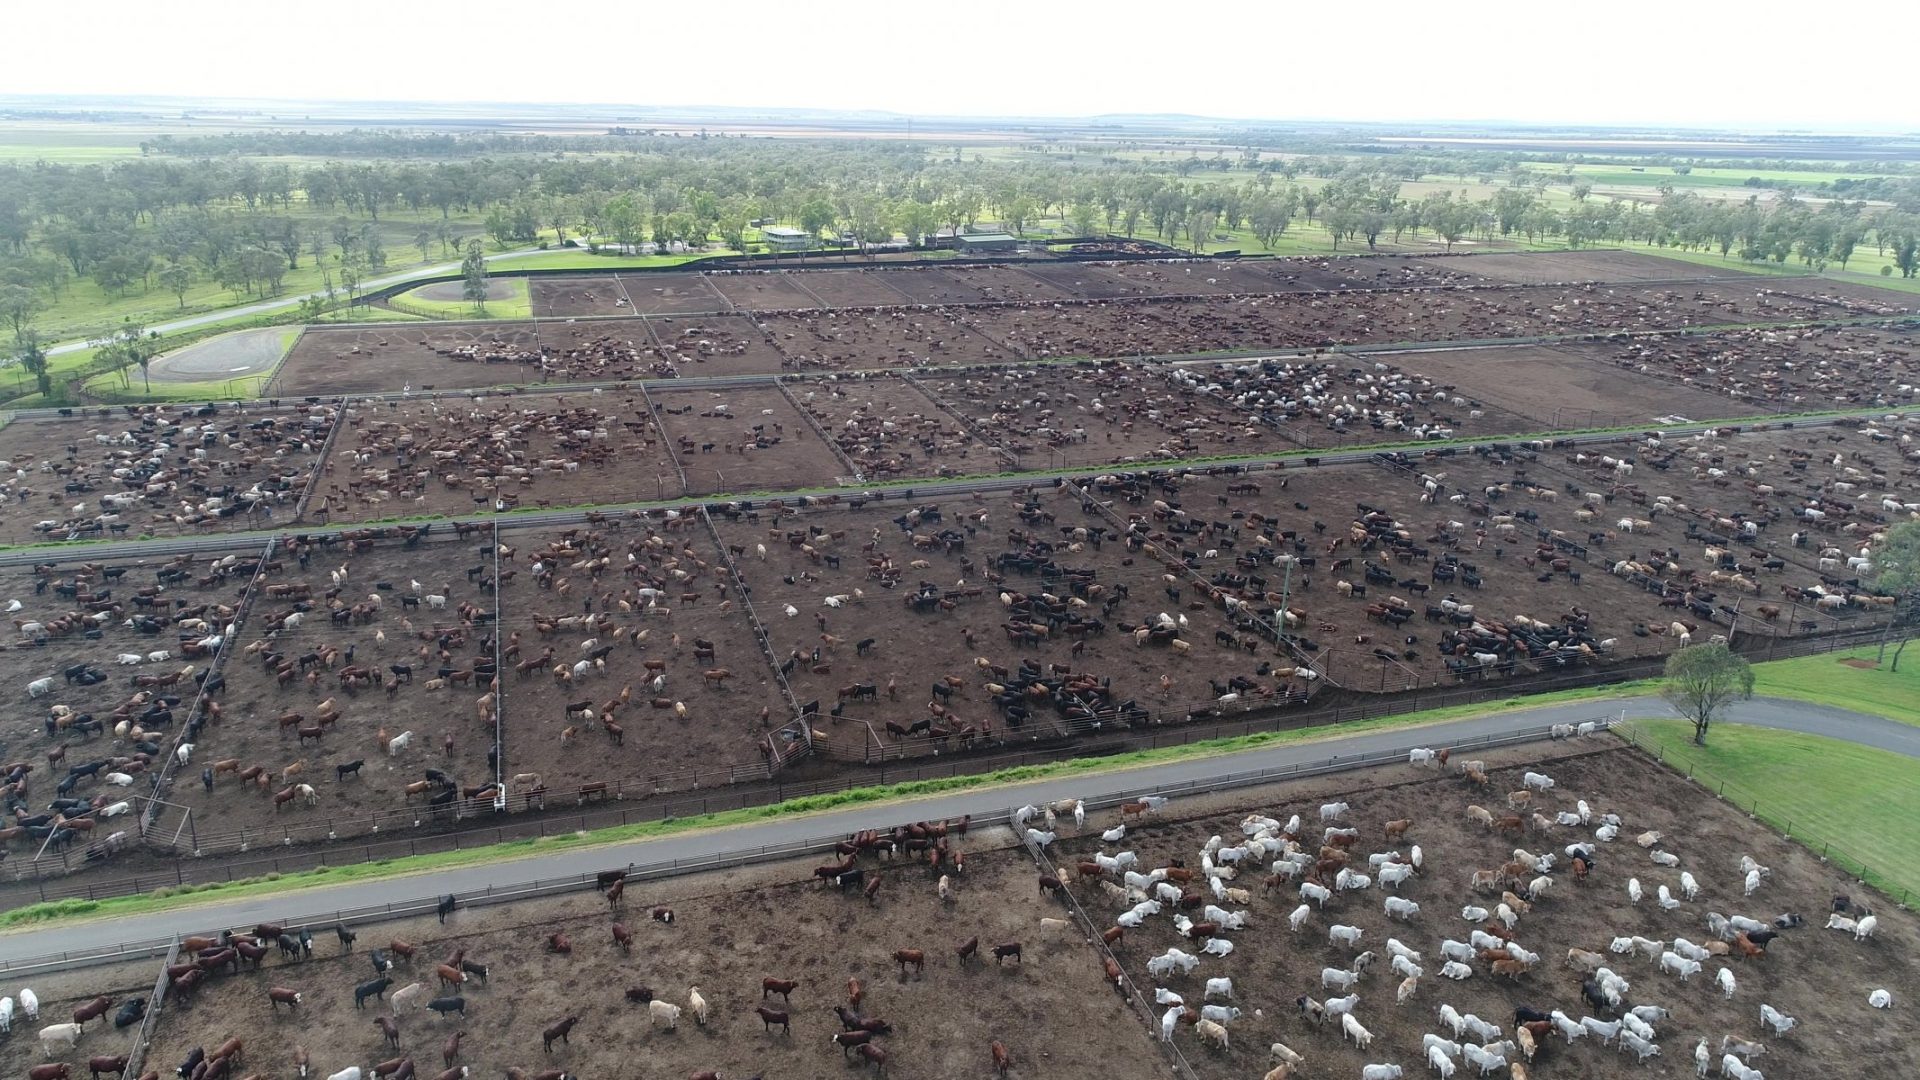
(1200, 230)
(177, 278)
(18, 305)
(423, 239)
(1701, 680)
(34, 359)
(1898, 560)
(474, 269)
(133, 345)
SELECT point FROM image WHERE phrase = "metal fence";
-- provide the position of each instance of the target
(509, 892)
(1754, 803)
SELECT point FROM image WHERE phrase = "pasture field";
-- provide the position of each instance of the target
(1828, 794)
(1820, 977)
(1053, 1011)
(1848, 680)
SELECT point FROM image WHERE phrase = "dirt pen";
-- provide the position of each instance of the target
(1041, 984)
(155, 470)
(1818, 976)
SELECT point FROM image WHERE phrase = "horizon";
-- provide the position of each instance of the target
(1074, 60)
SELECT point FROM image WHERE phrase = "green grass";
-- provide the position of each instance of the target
(517, 305)
(1830, 795)
(184, 896)
(1825, 680)
(582, 259)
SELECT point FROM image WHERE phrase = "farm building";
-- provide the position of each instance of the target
(786, 238)
(984, 243)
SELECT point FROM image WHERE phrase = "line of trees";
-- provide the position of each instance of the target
(172, 223)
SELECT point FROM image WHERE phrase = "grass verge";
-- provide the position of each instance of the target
(188, 895)
(1862, 685)
(1825, 793)
(516, 304)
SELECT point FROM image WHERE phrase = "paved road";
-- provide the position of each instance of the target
(280, 303)
(1765, 712)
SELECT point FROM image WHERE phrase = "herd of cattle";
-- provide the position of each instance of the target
(1318, 858)
(166, 467)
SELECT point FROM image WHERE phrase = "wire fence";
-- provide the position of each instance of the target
(1811, 837)
(721, 859)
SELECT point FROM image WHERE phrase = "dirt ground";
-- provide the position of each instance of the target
(1354, 401)
(563, 297)
(174, 473)
(850, 288)
(661, 748)
(888, 428)
(392, 633)
(836, 607)
(1546, 267)
(1052, 1010)
(1563, 387)
(757, 442)
(59, 993)
(1795, 369)
(761, 290)
(205, 593)
(839, 340)
(670, 294)
(467, 455)
(717, 345)
(1818, 976)
(1064, 415)
(381, 358)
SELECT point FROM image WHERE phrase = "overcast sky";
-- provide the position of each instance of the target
(1650, 62)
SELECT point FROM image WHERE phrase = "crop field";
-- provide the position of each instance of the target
(1818, 976)
(159, 470)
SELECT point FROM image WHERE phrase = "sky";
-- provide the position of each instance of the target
(1757, 64)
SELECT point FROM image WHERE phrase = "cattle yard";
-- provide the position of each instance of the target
(632, 659)
(1821, 977)
(1159, 585)
(155, 470)
(475, 454)
(606, 328)
(684, 966)
(917, 625)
